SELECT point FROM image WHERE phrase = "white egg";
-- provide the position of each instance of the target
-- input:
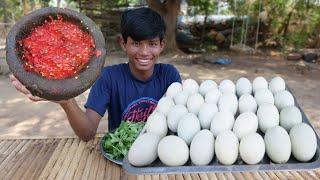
(278, 144)
(202, 148)
(174, 89)
(277, 84)
(157, 124)
(222, 121)
(268, 116)
(303, 142)
(194, 103)
(206, 113)
(144, 150)
(264, 96)
(228, 102)
(173, 151)
(247, 103)
(243, 86)
(213, 96)
(245, 123)
(191, 86)
(164, 105)
(227, 147)
(174, 116)
(227, 86)
(181, 98)
(206, 86)
(252, 148)
(259, 83)
(283, 99)
(290, 116)
(188, 127)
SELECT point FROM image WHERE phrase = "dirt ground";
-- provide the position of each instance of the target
(21, 118)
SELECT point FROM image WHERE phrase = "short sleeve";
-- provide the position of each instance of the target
(173, 74)
(100, 93)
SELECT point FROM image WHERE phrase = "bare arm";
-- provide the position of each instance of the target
(84, 124)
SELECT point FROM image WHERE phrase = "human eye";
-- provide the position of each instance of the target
(153, 43)
(136, 43)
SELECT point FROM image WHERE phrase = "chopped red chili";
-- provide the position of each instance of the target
(57, 49)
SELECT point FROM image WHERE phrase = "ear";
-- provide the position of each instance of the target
(162, 44)
(122, 43)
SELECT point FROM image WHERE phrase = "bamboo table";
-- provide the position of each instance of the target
(71, 158)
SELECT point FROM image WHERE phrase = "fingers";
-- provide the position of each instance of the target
(63, 102)
(17, 84)
(12, 77)
(35, 98)
(20, 87)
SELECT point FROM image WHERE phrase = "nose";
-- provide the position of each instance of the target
(144, 50)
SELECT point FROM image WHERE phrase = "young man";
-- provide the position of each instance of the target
(129, 91)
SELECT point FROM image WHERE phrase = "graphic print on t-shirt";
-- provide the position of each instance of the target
(139, 110)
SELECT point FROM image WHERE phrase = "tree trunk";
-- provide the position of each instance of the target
(171, 23)
(45, 3)
(58, 3)
(3, 4)
(317, 44)
(5, 12)
(285, 26)
(32, 5)
(169, 10)
(26, 7)
(203, 28)
(80, 5)
(242, 29)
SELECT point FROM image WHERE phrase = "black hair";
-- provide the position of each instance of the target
(142, 24)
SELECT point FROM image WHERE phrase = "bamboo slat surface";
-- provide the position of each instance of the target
(75, 159)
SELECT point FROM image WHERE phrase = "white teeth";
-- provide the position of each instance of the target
(143, 61)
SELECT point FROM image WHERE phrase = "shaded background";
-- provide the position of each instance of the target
(261, 38)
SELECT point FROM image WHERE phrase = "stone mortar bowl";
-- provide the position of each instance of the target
(54, 89)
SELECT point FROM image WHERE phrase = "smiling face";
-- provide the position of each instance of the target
(142, 54)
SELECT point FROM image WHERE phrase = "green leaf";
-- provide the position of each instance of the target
(118, 143)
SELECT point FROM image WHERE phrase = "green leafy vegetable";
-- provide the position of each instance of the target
(118, 143)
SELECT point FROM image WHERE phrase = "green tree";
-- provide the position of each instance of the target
(204, 7)
(286, 23)
(10, 11)
(169, 10)
(291, 22)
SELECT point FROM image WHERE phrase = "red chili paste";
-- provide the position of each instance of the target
(57, 49)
